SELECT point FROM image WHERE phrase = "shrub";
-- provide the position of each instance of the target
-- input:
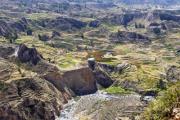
(161, 108)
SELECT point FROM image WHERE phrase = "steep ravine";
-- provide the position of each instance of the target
(102, 106)
(34, 87)
(41, 96)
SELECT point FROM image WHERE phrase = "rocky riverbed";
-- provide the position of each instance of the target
(101, 105)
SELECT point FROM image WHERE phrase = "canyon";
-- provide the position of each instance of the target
(89, 60)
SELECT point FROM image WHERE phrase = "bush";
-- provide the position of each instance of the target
(2, 86)
(162, 107)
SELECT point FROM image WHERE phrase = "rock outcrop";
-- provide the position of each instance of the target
(156, 28)
(123, 36)
(55, 34)
(19, 26)
(79, 81)
(29, 32)
(61, 23)
(44, 37)
(6, 31)
(40, 96)
(94, 23)
(169, 17)
(173, 74)
(26, 97)
(10, 29)
(7, 50)
(103, 78)
(123, 19)
(26, 54)
(30, 98)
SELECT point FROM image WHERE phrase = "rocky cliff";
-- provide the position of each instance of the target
(26, 97)
(37, 90)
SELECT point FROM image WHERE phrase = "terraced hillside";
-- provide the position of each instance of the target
(54, 51)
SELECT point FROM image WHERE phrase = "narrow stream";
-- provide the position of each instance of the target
(68, 111)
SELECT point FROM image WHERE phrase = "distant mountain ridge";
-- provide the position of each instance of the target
(130, 2)
(162, 2)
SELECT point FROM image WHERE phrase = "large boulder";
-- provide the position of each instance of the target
(26, 54)
(102, 74)
(103, 78)
(173, 74)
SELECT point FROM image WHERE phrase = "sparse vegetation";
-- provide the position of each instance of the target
(117, 90)
(3, 86)
(161, 108)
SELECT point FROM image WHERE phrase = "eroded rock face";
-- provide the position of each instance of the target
(86, 84)
(26, 54)
(10, 29)
(27, 97)
(103, 79)
(20, 26)
(102, 74)
(171, 25)
(123, 19)
(129, 17)
(123, 36)
(30, 98)
(80, 81)
(7, 31)
(61, 23)
(169, 17)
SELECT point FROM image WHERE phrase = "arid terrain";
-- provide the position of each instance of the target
(89, 60)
